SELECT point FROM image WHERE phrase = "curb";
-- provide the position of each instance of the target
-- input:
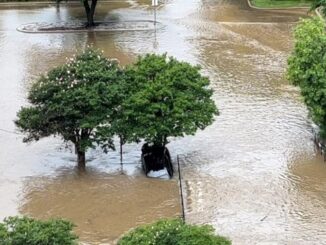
(29, 3)
(153, 26)
(285, 8)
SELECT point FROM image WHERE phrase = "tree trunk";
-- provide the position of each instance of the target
(90, 11)
(165, 140)
(58, 6)
(81, 157)
(121, 157)
(81, 160)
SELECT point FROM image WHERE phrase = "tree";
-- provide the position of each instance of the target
(166, 98)
(76, 101)
(163, 98)
(28, 231)
(173, 232)
(307, 68)
(90, 11)
(89, 7)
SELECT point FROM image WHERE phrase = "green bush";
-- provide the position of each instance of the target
(307, 68)
(173, 232)
(28, 231)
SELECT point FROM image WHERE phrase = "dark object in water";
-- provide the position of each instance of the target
(156, 158)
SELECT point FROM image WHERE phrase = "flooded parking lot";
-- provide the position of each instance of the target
(254, 174)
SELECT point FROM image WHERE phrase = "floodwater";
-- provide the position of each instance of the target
(254, 174)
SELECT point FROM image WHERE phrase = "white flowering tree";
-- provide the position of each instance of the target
(76, 101)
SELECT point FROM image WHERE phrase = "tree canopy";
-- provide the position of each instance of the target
(165, 98)
(90, 99)
(75, 101)
(307, 68)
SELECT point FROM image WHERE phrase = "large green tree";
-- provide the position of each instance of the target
(76, 101)
(165, 98)
(307, 68)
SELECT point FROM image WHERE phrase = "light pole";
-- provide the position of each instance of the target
(154, 5)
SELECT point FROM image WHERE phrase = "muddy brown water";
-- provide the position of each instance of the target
(254, 174)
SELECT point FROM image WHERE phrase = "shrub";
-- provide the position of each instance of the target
(28, 231)
(307, 68)
(173, 232)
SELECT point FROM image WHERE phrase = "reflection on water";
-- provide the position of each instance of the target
(253, 174)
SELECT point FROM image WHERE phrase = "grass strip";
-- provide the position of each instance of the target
(281, 3)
